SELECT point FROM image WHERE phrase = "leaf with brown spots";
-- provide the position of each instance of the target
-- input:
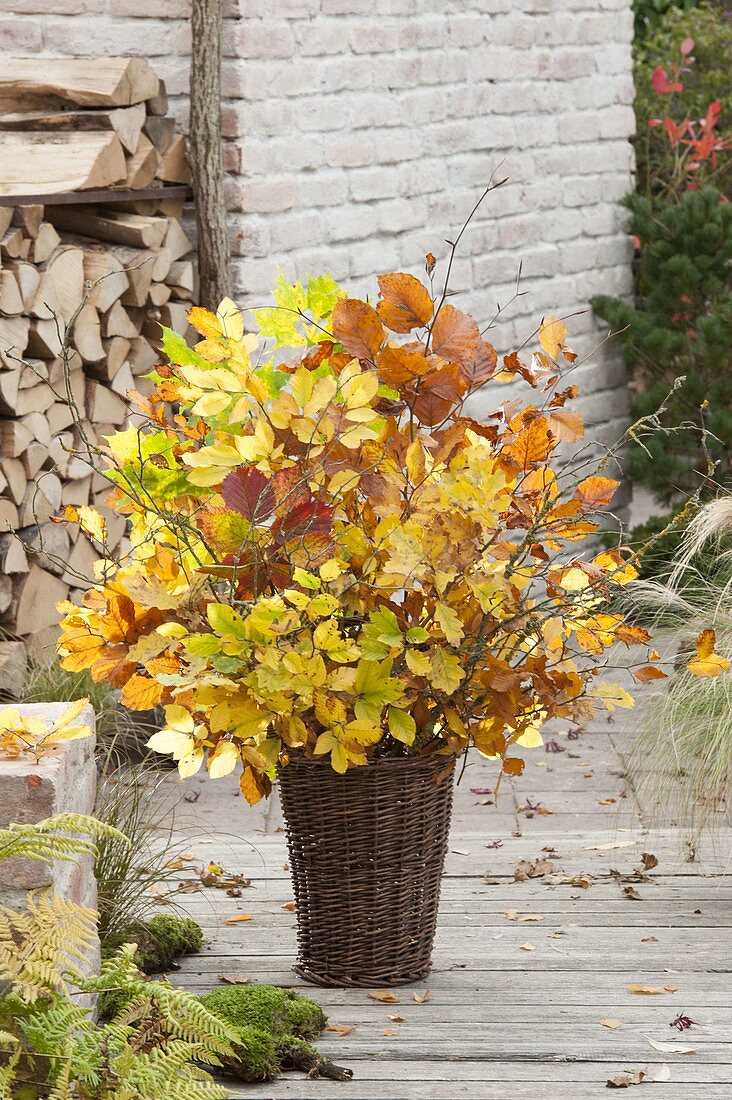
(405, 303)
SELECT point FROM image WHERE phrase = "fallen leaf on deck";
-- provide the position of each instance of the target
(682, 1022)
(609, 847)
(671, 1048)
(530, 918)
(290, 906)
(631, 893)
(670, 988)
(607, 802)
(494, 844)
(650, 939)
(646, 990)
(583, 880)
(527, 947)
(239, 918)
(525, 869)
(481, 790)
(611, 1023)
(234, 979)
(390, 1031)
(625, 1080)
(420, 998)
(664, 1074)
(511, 914)
(398, 1019)
(460, 851)
(341, 1029)
(385, 996)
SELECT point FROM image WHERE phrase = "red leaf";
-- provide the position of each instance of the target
(357, 326)
(250, 492)
(662, 84)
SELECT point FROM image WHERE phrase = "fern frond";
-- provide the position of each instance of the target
(39, 945)
(64, 837)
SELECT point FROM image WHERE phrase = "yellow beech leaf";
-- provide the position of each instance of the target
(231, 319)
(204, 321)
(552, 336)
(447, 671)
(175, 742)
(451, 625)
(402, 726)
(239, 918)
(707, 663)
(612, 696)
(90, 521)
(223, 759)
(189, 765)
(418, 662)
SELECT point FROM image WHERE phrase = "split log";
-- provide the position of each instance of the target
(27, 277)
(119, 321)
(46, 240)
(105, 270)
(145, 164)
(87, 335)
(40, 591)
(64, 162)
(11, 300)
(14, 474)
(126, 122)
(61, 289)
(13, 557)
(9, 519)
(104, 406)
(174, 164)
(29, 218)
(105, 82)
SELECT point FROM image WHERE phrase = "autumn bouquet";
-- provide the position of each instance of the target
(330, 558)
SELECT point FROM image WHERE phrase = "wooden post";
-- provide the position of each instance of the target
(206, 156)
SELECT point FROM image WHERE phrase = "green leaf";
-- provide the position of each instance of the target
(226, 622)
(375, 687)
(177, 351)
(202, 645)
(417, 634)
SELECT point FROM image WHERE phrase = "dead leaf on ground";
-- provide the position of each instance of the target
(631, 893)
(525, 869)
(609, 847)
(671, 1048)
(625, 1080)
(647, 990)
(583, 880)
(611, 1023)
(390, 1031)
(385, 996)
(527, 947)
(664, 1074)
(420, 998)
(290, 906)
(341, 1029)
(234, 979)
(650, 939)
(398, 1019)
(239, 918)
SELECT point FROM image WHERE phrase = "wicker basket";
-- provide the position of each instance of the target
(366, 856)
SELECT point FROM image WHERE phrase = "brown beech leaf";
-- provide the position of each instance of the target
(405, 303)
(341, 1029)
(234, 979)
(356, 325)
(422, 998)
(455, 336)
(514, 765)
(647, 990)
(385, 996)
(613, 1024)
(625, 1080)
(399, 365)
(480, 364)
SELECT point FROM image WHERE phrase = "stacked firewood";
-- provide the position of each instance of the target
(84, 289)
(77, 125)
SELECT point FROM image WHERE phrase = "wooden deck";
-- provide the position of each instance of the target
(524, 972)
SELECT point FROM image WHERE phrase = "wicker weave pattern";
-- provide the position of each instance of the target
(366, 856)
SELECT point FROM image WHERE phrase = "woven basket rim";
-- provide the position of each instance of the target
(375, 761)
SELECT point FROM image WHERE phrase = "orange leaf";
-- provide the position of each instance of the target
(707, 663)
(141, 693)
(397, 366)
(568, 427)
(357, 326)
(239, 918)
(532, 444)
(205, 322)
(649, 672)
(455, 336)
(597, 491)
(385, 996)
(253, 785)
(513, 765)
(405, 304)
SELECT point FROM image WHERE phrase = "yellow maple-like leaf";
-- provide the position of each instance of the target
(707, 663)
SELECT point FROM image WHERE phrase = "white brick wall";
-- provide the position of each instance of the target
(359, 133)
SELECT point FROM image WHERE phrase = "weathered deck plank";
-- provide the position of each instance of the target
(503, 1021)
